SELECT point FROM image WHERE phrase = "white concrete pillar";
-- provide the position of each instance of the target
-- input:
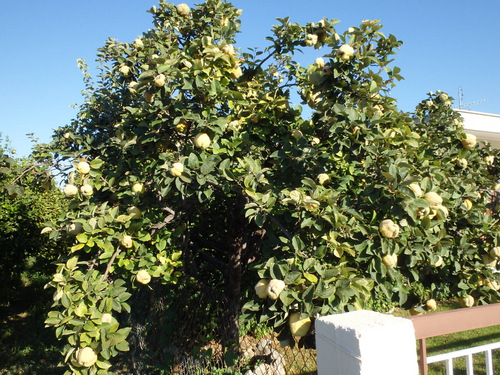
(365, 343)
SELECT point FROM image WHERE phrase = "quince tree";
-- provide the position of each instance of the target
(190, 163)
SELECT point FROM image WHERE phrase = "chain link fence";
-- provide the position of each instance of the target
(181, 332)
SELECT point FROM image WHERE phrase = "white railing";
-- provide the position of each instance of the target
(467, 353)
(452, 321)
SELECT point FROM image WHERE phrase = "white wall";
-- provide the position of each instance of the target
(365, 343)
(485, 126)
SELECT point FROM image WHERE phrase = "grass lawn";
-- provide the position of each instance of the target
(26, 347)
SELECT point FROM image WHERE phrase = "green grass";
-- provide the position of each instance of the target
(26, 347)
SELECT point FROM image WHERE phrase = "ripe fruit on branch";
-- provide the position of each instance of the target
(160, 80)
(495, 252)
(299, 327)
(433, 199)
(345, 52)
(202, 140)
(228, 49)
(467, 203)
(296, 133)
(143, 277)
(467, 301)
(87, 190)
(138, 44)
(183, 10)
(135, 212)
(83, 167)
(489, 160)
(70, 190)
(388, 229)
(390, 260)
(323, 178)
(416, 189)
(138, 188)
(261, 288)
(489, 261)
(132, 87)
(442, 212)
(311, 39)
(127, 241)
(493, 284)
(437, 263)
(177, 169)
(274, 288)
(236, 73)
(125, 70)
(469, 141)
(320, 62)
(149, 96)
(431, 304)
(86, 357)
(462, 163)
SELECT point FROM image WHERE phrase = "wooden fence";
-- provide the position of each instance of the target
(452, 321)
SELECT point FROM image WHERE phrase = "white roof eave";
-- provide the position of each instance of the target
(485, 126)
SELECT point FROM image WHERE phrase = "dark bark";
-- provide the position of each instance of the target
(244, 241)
(235, 243)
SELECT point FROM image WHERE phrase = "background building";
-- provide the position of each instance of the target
(485, 126)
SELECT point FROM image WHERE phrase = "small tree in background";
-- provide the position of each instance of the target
(28, 199)
(194, 170)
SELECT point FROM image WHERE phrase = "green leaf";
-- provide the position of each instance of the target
(297, 243)
(123, 346)
(311, 277)
(96, 163)
(292, 277)
(71, 263)
(105, 365)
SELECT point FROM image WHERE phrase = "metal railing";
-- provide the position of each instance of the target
(452, 321)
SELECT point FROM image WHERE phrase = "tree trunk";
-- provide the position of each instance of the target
(244, 241)
(236, 244)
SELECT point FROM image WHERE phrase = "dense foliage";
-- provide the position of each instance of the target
(192, 166)
(28, 199)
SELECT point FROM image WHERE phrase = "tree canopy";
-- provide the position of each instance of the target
(190, 161)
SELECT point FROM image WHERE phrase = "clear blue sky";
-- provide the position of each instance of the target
(447, 44)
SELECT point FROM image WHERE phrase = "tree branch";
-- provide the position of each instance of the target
(280, 226)
(110, 263)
